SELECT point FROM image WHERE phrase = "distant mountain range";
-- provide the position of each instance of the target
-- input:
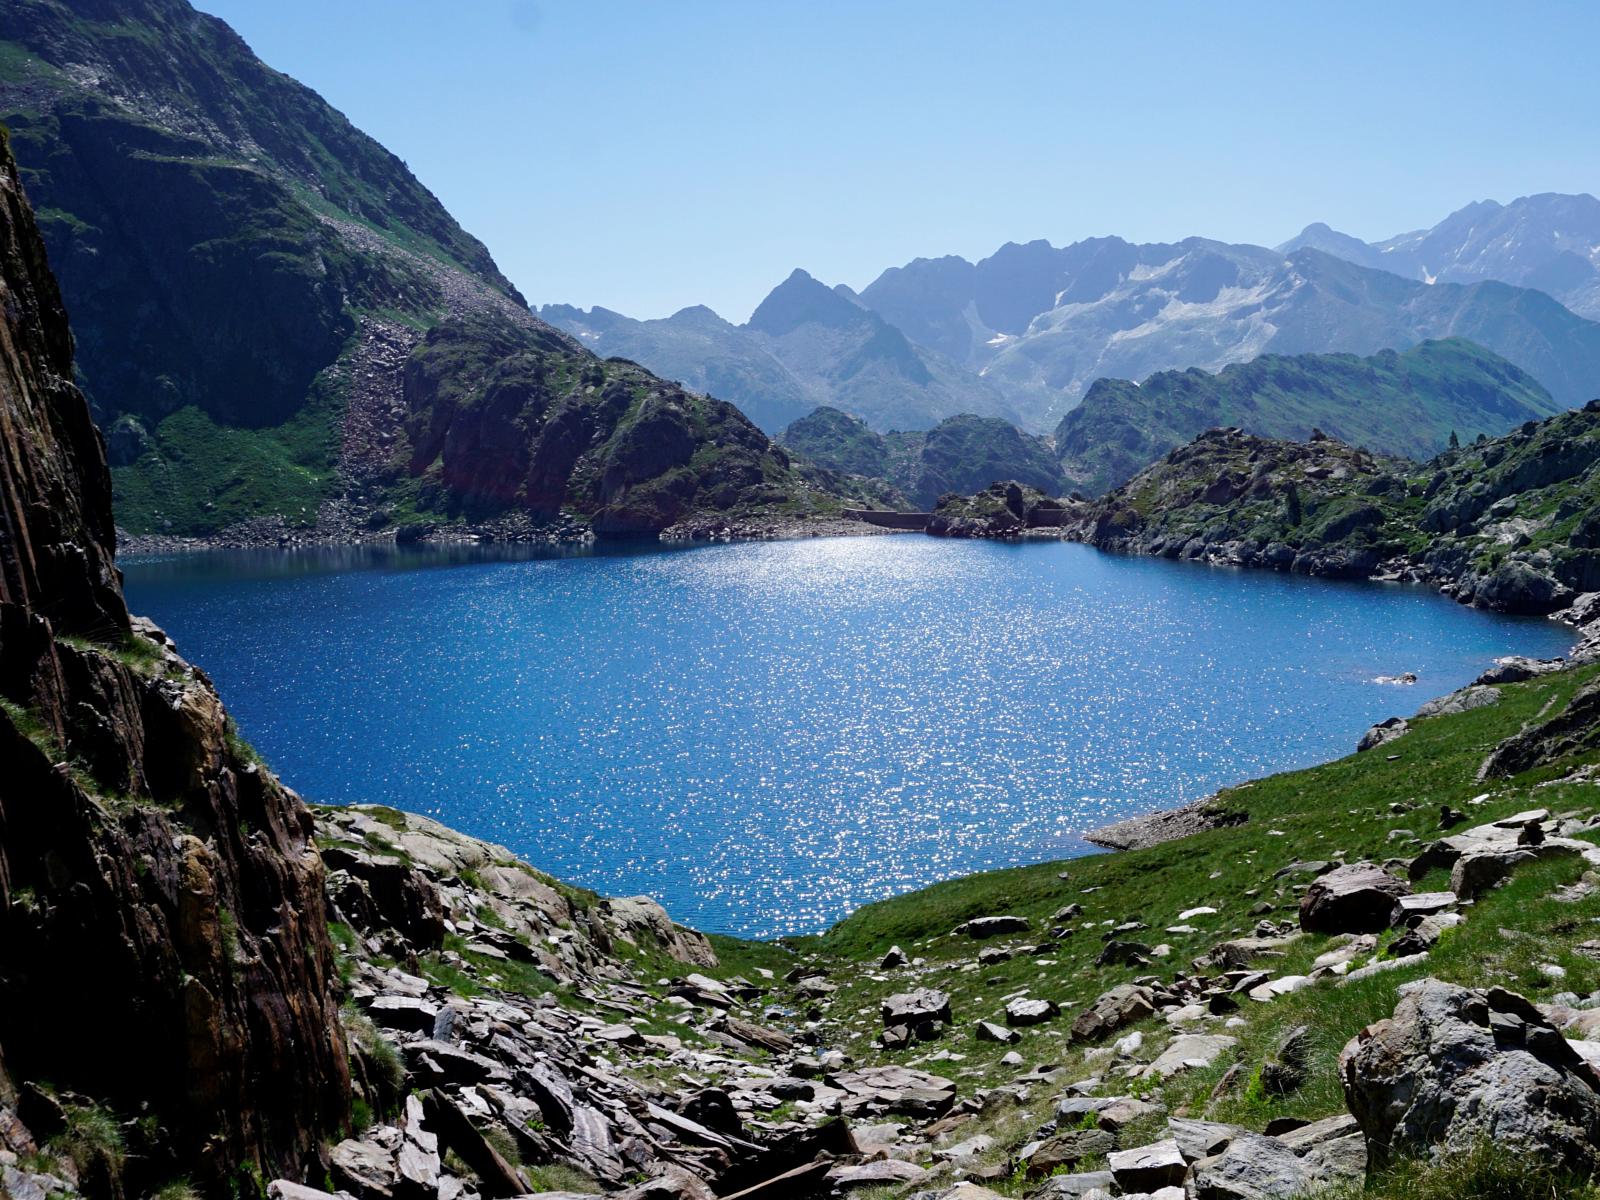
(1025, 333)
(275, 319)
(1405, 403)
(806, 346)
(1549, 242)
(1042, 324)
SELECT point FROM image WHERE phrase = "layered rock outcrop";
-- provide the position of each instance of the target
(164, 956)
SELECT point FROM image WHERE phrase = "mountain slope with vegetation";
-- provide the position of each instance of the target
(1510, 523)
(1408, 403)
(960, 454)
(250, 276)
(211, 990)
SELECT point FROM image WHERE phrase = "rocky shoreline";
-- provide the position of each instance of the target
(517, 529)
(1506, 524)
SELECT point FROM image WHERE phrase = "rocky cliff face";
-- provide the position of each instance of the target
(165, 970)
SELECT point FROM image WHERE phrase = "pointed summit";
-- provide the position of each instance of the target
(802, 300)
(1321, 236)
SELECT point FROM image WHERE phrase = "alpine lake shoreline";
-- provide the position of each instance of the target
(1019, 1033)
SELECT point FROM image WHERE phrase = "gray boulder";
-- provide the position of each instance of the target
(1026, 1010)
(1468, 698)
(987, 927)
(1383, 733)
(1146, 1168)
(1453, 1067)
(914, 1008)
(1253, 1167)
(1066, 1150)
(1516, 668)
(988, 1031)
(1354, 899)
(1122, 1005)
(1519, 587)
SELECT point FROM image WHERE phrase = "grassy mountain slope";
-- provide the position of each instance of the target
(1405, 403)
(231, 247)
(1368, 806)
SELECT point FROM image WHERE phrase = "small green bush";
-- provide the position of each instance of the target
(92, 1139)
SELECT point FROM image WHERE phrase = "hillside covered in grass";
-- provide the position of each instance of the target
(1213, 922)
(1407, 403)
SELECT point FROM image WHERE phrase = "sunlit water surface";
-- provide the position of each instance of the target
(766, 736)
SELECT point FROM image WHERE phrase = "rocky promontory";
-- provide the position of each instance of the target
(1505, 523)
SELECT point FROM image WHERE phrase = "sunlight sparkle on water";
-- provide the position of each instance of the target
(765, 736)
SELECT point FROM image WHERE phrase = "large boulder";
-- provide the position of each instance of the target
(1454, 1067)
(1030, 1010)
(1468, 698)
(987, 927)
(916, 1008)
(1383, 733)
(641, 921)
(1252, 1167)
(1519, 587)
(1122, 1005)
(1353, 899)
(1146, 1168)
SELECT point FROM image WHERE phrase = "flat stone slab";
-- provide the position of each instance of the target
(1026, 1010)
(1187, 1052)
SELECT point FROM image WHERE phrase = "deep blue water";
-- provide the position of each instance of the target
(764, 736)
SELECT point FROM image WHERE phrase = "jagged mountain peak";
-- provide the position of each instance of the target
(800, 300)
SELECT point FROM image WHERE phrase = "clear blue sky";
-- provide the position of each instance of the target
(650, 154)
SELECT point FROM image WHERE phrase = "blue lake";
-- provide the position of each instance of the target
(765, 736)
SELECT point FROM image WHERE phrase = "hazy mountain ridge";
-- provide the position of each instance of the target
(806, 346)
(1548, 241)
(963, 453)
(1111, 308)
